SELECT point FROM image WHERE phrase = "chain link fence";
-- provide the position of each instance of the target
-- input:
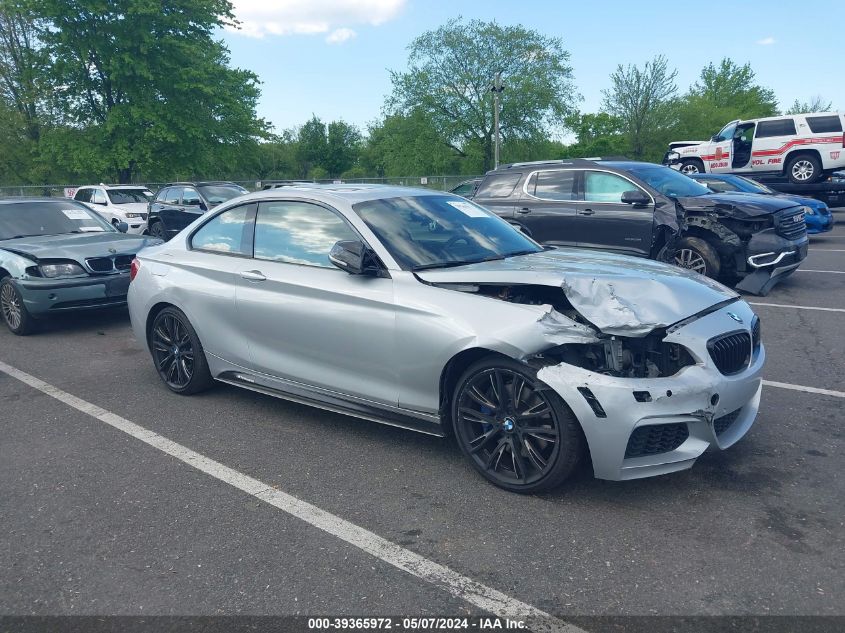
(439, 183)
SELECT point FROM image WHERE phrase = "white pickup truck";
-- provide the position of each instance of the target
(803, 147)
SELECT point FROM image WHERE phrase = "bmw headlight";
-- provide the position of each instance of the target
(62, 269)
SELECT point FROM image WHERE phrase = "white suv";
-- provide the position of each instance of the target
(118, 203)
(803, 147)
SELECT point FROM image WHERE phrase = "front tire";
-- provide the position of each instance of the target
(697, 254)
(691, 166)
(803, 169)
(515, 430)
(15, 315)
(178, 354)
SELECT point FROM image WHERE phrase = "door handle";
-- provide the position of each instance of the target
(253, 275)
(524, 210)
(587, 212)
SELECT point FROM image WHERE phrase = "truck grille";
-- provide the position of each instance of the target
(656, 438)
(113, 264)
(791, 224)
(731, 352)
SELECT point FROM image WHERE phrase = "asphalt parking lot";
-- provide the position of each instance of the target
(97, 521)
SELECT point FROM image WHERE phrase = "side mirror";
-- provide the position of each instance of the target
(203, 206)
(636, 197)
(351, 256)
(122, 227)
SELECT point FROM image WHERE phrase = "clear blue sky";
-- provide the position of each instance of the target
(331, 57)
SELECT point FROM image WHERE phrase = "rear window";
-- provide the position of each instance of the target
(498, 185)
(780, 127)
(823, 124)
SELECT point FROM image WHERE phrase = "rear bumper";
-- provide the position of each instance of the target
(42, 296)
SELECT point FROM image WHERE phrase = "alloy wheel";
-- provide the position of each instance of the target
(803, 170)
(690, 168)
(173, 351)
(688, 258)
(11, 306)
(508, 426)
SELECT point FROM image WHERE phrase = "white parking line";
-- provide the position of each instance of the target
(826, 250)
(786, 385)
(482, 596)
(783, 305)
(832, 272)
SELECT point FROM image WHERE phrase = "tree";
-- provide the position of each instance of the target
(449, 75)
(312, 147)
(21, 64)
(343, 145)
(816, 104)
(642, 100)
(599, 134)
(147, 84)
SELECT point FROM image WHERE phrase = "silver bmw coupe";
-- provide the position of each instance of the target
(425, 311)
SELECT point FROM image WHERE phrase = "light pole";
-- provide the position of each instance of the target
(496, 90)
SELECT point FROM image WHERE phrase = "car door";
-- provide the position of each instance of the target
(218, 252)
(99, 203)
(548, 207)
(170, 210)
(605, 222)
(771, 140)
(191, 207)
(309, 321)
(719, 161)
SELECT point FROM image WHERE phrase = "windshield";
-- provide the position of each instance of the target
(669, 182)
(727, 132)
(437, 231)
(215, 194)
(26, 219)
(752, 186)
(129, 196)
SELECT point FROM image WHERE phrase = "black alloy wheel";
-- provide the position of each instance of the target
(178, 354)
(517, 432)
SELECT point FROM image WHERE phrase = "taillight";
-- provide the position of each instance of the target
(134, 268)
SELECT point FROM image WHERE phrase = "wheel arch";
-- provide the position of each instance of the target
(452, 371)
(799, 151)
(151, 316)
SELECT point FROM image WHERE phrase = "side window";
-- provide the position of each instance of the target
(601, 186)
(83, 195)
(98, 197)
(824, 124)
(226, 233)
(298, 233)
(498, 186)
(719, 186)
(778, 127)
(173, 195)
(553, 185)
(190, 197)
(160, 194)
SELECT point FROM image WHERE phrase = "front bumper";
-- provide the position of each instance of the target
(688, 398)
(820, 223)
(137, 227)
(768, 259)
(42, 296)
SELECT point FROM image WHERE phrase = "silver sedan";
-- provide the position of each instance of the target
(425, 311)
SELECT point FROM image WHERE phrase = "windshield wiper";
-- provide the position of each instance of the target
(460, 263)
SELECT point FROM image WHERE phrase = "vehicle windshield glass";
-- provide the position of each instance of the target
(669, 182)
(752, 186)
(438, 231)
(215, 194)
(727, 132)
(50, 217)
(129, 196)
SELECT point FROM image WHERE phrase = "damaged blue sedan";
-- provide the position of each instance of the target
(426, 311)
(56, 256)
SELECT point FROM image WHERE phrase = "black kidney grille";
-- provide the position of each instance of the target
(116, 263)
(123, 262)
(720, 425)
(791, 224)
(656, 438)
(731, 352)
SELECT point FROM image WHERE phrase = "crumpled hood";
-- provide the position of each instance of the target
(736, 204)
(620, 295)
(78, 246)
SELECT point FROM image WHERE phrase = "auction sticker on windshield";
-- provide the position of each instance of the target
(468, 208)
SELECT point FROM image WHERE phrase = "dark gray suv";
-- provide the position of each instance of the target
(652, 211)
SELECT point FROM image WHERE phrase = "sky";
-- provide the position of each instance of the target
(332, 57)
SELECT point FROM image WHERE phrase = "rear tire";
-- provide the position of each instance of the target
(15, 315)
(692, 166)
(803, 169)
(178, 354)
(515, 430)
(694, 253)
(157, 230)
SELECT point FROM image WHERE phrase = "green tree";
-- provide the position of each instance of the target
(343, 146)
(642, 100)
(148, 85)
(815, 104)
(312, 147)
(449, 75)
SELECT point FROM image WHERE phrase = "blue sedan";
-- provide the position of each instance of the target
(819, 218)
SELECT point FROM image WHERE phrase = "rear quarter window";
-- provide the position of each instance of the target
(824, 124)
(498, 185)
(779, 127)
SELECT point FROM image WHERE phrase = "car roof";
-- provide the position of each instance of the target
(29, 199)
(615, 162)
(110, 187)
(350, 193)
(201, 183)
